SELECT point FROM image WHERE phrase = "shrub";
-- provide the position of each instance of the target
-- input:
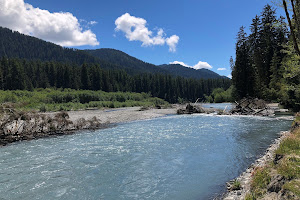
(43, 108)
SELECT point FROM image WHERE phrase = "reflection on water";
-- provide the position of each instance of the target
(176, 157)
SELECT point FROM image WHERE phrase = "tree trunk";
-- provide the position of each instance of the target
(291, 27)
(297, 24)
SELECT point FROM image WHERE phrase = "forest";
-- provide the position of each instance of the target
(17, 45)
(21, 74)
(267, 62)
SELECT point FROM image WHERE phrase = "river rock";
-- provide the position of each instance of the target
(277, 158)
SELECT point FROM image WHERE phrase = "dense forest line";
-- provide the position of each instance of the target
(267, 64)
(18, 74)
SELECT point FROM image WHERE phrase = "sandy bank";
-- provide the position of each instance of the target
(18, 126)
(120, 115)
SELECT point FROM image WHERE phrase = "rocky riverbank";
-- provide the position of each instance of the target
(244, 180)
(18, 126)
(274, 176)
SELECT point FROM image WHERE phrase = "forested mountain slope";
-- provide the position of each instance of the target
(122, 59)
(16, 45)
(179, 70)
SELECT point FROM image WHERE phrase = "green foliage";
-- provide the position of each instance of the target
(69, 99)
(243, 71)
(49, 65)
(219, 95)
(35, 74)
(293, 186)
(266, 64)
(289, 167)
(249, 196)
(291, 85)
(236, 185)
(290, 145)
(260, 180)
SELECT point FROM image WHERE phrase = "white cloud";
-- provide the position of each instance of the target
(92, 22)
(179, 63)
(62, 28)
(221, 69)
(229, 76)
(202, 65)
(135, 30)
(172, 42)
(199, 65)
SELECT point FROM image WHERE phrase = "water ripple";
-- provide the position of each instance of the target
(175, 157)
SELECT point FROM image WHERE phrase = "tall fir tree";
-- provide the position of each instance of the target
(243, 77)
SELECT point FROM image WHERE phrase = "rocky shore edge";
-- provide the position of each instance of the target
(245, 178)
(21, 126)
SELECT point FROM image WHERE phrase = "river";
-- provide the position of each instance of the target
(174, 157)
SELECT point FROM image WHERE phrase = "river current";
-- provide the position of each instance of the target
(174, 157)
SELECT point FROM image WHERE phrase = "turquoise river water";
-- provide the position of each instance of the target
(174, 157)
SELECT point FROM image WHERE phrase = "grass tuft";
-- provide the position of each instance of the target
(261, 178)
(293, 186)
(289, 167)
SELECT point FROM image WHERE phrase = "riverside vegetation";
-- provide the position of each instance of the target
(40, 76)
(22, 114)
(267, 66)
(69, 99)
(280, 179)
(267, 61)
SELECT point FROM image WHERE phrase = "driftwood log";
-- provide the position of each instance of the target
(252, 106)
(190, 109)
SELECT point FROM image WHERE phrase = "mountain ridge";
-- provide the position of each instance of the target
(174, 69)
(18, 45)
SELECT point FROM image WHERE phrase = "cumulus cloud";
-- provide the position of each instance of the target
(62, 28)
(202, 65)
(221, 69)
(172, 42)
(135, 30)
(179, 63)
(199, 65)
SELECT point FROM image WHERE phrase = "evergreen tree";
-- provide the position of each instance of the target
(243, 74)
(85, 78)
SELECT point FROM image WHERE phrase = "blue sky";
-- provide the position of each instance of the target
(206, 29)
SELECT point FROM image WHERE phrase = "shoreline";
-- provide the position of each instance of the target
(105, 118)
(245, 177)
(31, 126)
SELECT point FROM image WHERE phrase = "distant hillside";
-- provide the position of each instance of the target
(122, 59)
(179, 70)
(16, 45)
